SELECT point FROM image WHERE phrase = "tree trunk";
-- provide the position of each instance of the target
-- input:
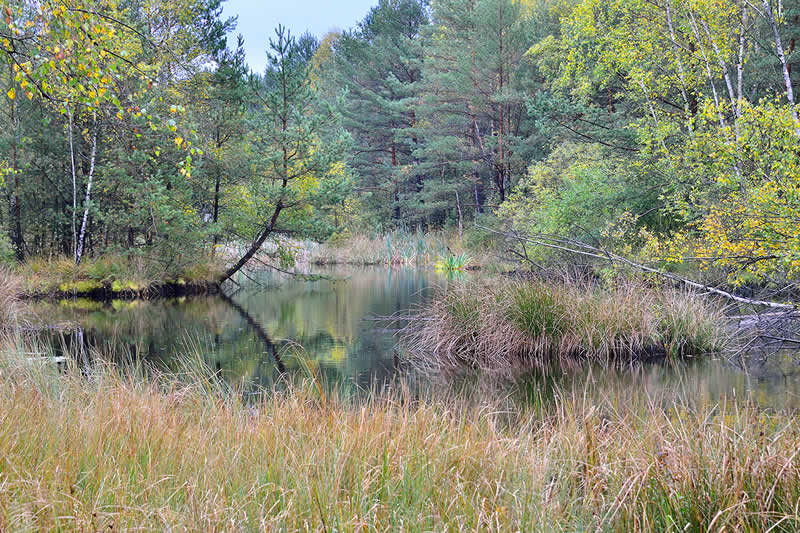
(676, 49)
(74, 185)
(707, 62)
(460, 216)
(394, 179)
(218, 178)
(215, 216)
(90, 178)
(14, 206)
(255, 246)
(478, 194)
(787, 79)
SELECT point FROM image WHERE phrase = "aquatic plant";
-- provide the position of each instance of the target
(453, 263)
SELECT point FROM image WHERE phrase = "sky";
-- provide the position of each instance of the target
(258, 19)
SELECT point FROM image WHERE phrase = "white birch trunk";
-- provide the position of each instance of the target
(92, 157)
(787, 80)
(710, 75)
(74, 188)
(676, 48)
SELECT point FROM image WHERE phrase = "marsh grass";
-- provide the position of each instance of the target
(103, 448)
(512, 327)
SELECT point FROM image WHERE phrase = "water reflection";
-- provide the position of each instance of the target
(701, 382)
(281, 325)
(276, 326)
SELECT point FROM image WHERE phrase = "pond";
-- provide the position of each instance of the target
(336, 328)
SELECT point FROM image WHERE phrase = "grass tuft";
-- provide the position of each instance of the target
(510, 328)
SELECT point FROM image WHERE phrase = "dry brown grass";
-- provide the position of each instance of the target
(513, 327)
(10, 288)
(400, 248)
(111, 452)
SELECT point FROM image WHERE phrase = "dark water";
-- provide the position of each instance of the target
(335, 329)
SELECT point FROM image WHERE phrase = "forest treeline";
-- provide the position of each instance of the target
(665, 130)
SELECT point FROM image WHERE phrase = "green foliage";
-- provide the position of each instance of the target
(585, 192)
(652, 128)
(744, 196)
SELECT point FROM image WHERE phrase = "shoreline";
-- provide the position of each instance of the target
(107, 292)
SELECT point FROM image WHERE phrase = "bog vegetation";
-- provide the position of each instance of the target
(511, 328)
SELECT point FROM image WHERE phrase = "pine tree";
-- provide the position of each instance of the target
(379, 65)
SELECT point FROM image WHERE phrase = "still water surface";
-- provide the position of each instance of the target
(286, 325)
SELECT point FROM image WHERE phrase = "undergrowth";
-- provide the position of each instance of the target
(119, 273)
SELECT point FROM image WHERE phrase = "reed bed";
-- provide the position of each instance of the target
(513, 327)
(102, 449)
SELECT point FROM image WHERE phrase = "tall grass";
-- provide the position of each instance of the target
(512, 327)
(105, 450)
(9, 296)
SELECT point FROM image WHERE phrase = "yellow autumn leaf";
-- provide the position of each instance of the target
(178, 140)
(12, 93)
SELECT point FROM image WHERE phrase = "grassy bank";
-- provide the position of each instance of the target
(513, 327)
(110, 275)
(111, 451)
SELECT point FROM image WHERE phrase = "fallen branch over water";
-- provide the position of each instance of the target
(580, 248)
